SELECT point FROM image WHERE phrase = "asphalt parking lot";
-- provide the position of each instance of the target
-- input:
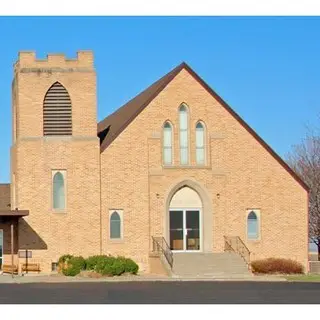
(161, 293)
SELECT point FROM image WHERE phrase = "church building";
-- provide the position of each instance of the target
(174, 172)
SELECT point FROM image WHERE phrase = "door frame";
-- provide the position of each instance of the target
(184, 228)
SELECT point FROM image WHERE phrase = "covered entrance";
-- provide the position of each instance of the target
(185, 221)
(9, 239)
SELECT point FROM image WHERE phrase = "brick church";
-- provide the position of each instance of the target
(174, 171)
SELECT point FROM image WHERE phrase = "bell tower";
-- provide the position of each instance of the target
(55, 155)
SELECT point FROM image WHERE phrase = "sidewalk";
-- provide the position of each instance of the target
(57, 278)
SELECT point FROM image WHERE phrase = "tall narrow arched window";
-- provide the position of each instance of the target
(167, 143)
(57, 115)
(184, 143)
(115, 225)
(58, 191)
(200, 143)
(252, 226)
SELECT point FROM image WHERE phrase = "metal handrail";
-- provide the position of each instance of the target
(235, 244)
(160, 245)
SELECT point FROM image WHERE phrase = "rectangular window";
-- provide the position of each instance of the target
(253, 224)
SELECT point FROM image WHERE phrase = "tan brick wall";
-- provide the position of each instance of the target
(238, 168)
(47, 233)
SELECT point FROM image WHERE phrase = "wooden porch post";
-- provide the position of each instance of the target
(12, 239)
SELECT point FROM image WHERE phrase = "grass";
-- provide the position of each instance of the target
(304, 277)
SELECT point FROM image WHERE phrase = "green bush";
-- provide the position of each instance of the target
(112, 266)
(129, 265)
(74, 266)
(276, 265)
(92, 261)
(65, 258)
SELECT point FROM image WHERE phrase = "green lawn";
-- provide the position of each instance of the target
(304, 277)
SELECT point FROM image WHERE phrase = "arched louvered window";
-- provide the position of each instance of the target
(57, 115)
(167, 143)
(115, 226)
(200, 143)
(252, 226)
(58, 191)
(184, 143)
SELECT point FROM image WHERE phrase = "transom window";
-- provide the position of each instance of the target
(184, 143)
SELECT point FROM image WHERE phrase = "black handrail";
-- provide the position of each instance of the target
(235, 244)
(160, 245)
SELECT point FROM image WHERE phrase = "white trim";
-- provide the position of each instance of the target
(64, 174)
(184, 228)
(120, 213)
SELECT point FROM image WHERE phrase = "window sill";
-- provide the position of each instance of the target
(59, 211)
(186, 167)
(116, 241)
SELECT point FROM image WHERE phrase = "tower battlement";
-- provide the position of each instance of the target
(28, 59)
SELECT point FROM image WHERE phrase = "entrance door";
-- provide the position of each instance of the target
(184, 229)
(1, 248)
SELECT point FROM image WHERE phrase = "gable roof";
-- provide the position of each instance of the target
(5, 196)
(111, 127)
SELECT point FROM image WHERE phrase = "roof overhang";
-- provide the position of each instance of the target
(14, 213)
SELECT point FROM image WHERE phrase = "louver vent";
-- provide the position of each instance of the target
(57, 116)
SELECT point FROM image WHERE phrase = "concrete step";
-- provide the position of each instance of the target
(203, 265)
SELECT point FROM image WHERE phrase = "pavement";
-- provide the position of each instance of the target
(161, 292)
(58, 278)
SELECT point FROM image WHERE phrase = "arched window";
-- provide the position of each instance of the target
(184, 144)
(167, 143)
(252, 226)
(200, 144)
(58, 191)
(115, 226)
(57, 116)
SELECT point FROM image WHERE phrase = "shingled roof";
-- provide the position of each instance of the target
(4, 196)
(111, 127)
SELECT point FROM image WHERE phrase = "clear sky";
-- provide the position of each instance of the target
(267, 69)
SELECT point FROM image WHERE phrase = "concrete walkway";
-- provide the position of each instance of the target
(57, 278)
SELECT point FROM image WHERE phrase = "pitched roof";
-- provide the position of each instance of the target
(114, 124)
(4, 196)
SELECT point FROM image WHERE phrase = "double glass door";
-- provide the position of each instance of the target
(184, 229)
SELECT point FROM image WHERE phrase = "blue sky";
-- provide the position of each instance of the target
(266, 68)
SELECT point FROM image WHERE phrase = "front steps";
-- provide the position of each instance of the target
(209, 265)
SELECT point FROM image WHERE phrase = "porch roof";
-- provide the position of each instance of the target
(14, 213)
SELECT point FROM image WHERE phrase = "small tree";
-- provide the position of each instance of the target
(304, 159)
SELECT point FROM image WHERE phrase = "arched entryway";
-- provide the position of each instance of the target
(185, 220)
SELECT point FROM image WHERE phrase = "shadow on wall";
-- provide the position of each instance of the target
(29, 239)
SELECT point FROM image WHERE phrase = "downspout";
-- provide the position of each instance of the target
(100, 202)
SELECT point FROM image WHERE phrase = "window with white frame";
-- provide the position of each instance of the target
(115, 220)
(200, 144)
(58, 189)
(184, 143)
(167, 143)
(253, 228)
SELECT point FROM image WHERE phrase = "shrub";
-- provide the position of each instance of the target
(129, 265)
(276, 265)
(92, 261)
(65, 258)
(112, 266)
(74, 266)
